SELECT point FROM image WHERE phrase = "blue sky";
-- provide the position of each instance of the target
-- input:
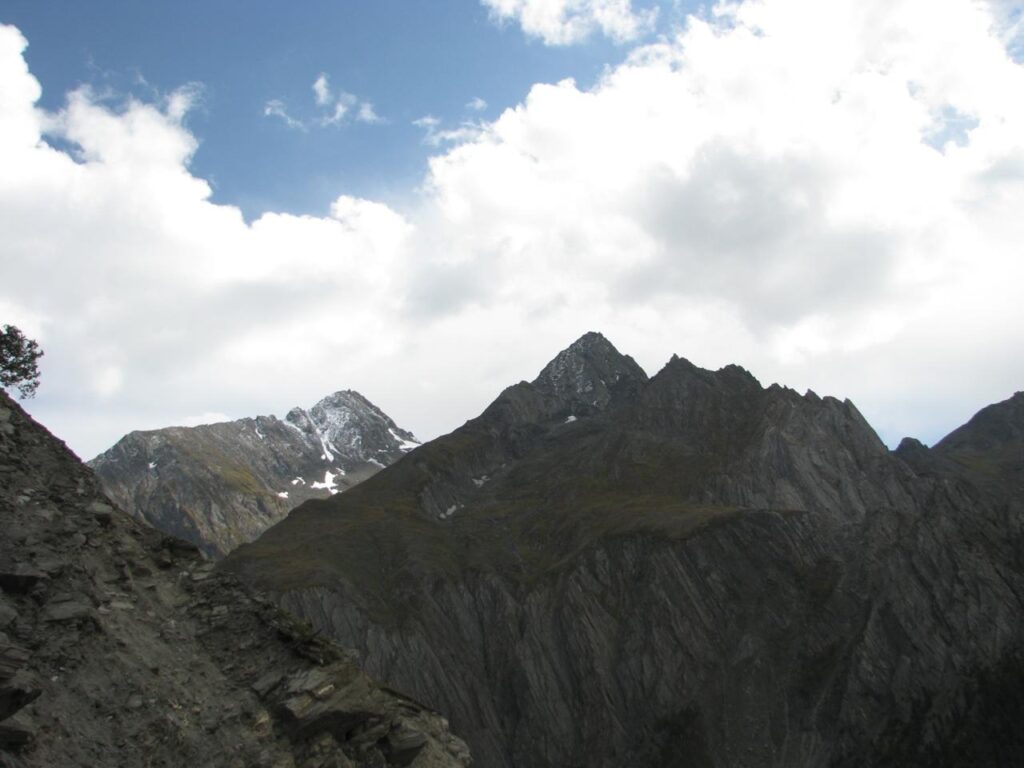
(214, 210)
(410, 59)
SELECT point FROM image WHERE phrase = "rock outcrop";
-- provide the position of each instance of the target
(120, 646)
(692, 570)
(219, 485)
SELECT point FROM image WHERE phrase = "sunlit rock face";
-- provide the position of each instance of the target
(220, 485)
(604, 569)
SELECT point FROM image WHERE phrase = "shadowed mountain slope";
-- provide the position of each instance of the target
(606, 570)
(990, 448)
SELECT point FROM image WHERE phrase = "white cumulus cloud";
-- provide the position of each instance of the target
(833, 197)
(837, 210)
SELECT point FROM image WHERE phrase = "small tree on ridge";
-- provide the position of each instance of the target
(19, 356)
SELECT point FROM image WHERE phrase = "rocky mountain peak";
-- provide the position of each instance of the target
(680, 368)
(349, 402)
(589, 374)
(348, 426)
(696, 401)
(219, 485)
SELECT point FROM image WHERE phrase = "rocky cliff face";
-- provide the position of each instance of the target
(220, 485)
(121, 647)
(691, 570)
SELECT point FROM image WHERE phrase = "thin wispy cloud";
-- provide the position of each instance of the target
(335, 108)
(568, 22)
(277, 109)
(434, 135)
(321, 90)
(339, 108)
(367, 114)
(184, 99)
(476, 104)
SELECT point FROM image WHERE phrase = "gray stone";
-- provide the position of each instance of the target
(102, 512)
(267, 682)
(68, 610)
(16, 733)
(18, 691)
(50, 564)
(12, 658)
(8, 615)
(403, 745)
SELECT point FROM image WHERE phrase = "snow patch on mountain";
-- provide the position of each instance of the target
(327, 484)
(403, 444)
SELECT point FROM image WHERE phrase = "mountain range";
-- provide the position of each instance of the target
(691, 569)
(602, 569)
(219, 485)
